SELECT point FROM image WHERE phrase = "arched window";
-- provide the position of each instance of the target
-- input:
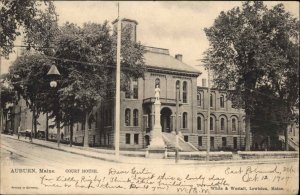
(211, 123)
(135, 88)
(211, 100)
(184, 92)
(157, 83)
(127, 117)
(135, 117)
(199, 99)
(199, 123)
(222, 124)
(244, 125)
(222, 101)
(128, 89)
(177, 90)
(184, 120)
(233, 124)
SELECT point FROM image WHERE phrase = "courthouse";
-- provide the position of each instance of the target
(173, 76)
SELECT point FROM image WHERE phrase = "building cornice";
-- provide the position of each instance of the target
(172, 71)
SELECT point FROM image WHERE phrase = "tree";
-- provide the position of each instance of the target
(85, 58)
(28, 78)
(8, 96)
(27, 16)
(254, 46)
(90, 53)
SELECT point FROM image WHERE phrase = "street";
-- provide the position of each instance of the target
(39, 169)
(19, 153)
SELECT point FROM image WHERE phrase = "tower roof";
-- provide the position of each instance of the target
(125, 20)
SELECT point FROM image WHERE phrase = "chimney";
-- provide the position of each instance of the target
(178, 57)
(127, 23)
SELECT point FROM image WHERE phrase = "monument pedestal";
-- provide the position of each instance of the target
(156, 153)
(157, 148)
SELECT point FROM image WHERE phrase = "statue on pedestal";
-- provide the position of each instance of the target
(157, 92)
(157, 146)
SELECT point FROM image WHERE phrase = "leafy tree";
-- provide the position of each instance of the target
(253, 46)
(81, 83)
(87, 73)
(28, 77)
(33, 18)
(85, 57)
(8, 96)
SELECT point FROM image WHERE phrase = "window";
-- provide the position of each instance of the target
(224, 141)
(184, 92)
(127, 137)
(186, 138)
(222, 124)
(199, 99)
(235, 142)
(136, 138)
(184, 120)
(200, 141)
(211, 100)
(149, 120)
(157, 83)
(146, 121)
(211, 123)
(135, 117)
(127, 92)
(212, 142)
(127, 117)
(244, 126)
(132, 89)
(199, 123)
(222, 101)
(177, 89)
(203, 82)
(135, 88)
(233, 124)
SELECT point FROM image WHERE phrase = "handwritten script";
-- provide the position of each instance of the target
(144, 179)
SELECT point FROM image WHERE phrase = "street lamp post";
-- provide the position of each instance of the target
(53, 72)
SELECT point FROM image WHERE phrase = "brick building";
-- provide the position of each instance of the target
(137, 108)
(19, 115)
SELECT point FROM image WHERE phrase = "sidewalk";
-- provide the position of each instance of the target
(108, 155)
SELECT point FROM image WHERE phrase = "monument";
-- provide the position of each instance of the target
(157, 148)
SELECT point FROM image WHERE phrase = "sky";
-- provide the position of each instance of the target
(177, 26)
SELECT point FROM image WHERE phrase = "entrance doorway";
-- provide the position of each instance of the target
(165, 119)
(147, 140)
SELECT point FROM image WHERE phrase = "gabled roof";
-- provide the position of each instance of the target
(157, 58)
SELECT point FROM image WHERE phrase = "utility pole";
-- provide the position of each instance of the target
(208, 115)
(176, 121)
(117, 101)
(1, 106)
(208, 110)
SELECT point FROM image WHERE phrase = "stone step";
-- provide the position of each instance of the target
(170, 141)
